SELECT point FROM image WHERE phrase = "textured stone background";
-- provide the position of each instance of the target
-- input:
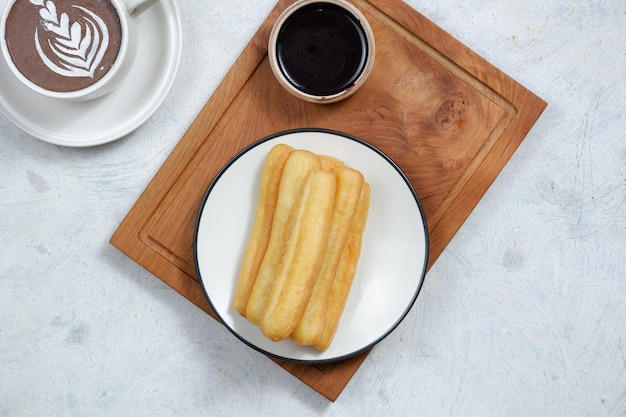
(524, 314)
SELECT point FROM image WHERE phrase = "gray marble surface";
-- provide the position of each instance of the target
(524, 314)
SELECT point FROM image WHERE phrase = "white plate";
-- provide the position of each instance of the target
(393, 258)
(115, 115)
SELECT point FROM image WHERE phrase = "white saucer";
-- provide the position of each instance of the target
(118, 113)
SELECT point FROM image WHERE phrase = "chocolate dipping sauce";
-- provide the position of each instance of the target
(322, 49)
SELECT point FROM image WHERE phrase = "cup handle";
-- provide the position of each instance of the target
(137, 6)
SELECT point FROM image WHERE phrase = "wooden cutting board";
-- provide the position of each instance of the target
(447, 117)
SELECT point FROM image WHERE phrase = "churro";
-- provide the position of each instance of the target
(302, 253)
(329, 162)
(349, 185)
(346, 271)
(259, 238)
(306, 241)
(294, 174)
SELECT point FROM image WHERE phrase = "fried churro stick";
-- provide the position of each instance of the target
(349, 185)
(329, 162)
(307, 238)
(345, 271)
(259, 237)
(295, 172)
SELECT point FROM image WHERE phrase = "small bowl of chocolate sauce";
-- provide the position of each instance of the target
(321, 51)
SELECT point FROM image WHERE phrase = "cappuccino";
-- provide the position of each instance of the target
(63, 45)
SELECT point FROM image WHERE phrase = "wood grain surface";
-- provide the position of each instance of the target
(448, 118)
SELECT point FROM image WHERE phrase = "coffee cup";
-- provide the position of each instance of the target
(70, 49)
(321, 51)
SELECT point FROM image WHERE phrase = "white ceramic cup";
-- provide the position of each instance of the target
(126, 10)
(321, 44)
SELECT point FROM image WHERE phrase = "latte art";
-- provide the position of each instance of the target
(74, 49)
(63, 45)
